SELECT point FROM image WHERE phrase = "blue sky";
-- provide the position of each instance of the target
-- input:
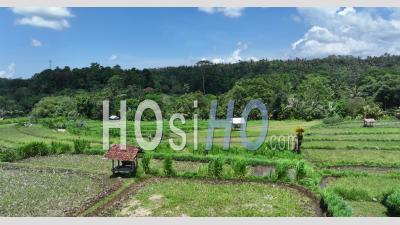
(155, 37)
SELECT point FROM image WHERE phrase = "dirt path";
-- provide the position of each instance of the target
(116, 201)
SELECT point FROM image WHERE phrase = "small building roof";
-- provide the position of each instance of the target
(238, 120)
(116, 153)
(114, 117)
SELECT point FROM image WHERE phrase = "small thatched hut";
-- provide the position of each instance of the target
(369, 122)
(126, 159)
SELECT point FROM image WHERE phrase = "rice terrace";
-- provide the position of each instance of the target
(314, 132)
(59, 174)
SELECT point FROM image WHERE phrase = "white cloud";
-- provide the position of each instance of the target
(49, 17)
(37, 21)
(113, 57)
(9, 72)
(231, 12)
(252, 58)
(218, 60)
(53, 12)
(235, 56)
(36, 43)
(209, 10)
(347, 31)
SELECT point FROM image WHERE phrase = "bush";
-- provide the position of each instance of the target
(169, 169)
(146, 163)
(54, 123)
(394, 113)
(80, 146)
(8, 155)
(300, 170)
(77, 127)
(372, 111)
(354, 106)
(333, 119)
(58, 106)
(392, 203)
(215, 167)
(239, 167)
(33, 149)
(139, 171)
(335, 205)
(353, 194)
(281, 170)
(59, 148)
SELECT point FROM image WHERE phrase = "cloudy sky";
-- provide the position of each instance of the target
(155, 37)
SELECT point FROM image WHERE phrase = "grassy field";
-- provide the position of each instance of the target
(15, 135)
(365, 188)
(325, 157)
(81, 163)
(367, 209)
(198, 198)
(365, 193)
(44, 193)
(374, 152)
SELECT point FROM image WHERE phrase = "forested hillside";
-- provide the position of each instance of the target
(336, 86)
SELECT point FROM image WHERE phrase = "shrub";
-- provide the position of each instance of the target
(33, 149)
(335, 205)
(300, 170)
(392, 203)
(372, 111)
(65, 148)
(353, 194)
(239, 167)
(354, 106)
(77, 127)
(146, 163)
(58, 106)
(59, 148)
(80, 146)
(397, 113)
(281, 170)
(333, 119)
(139, 171)
(54, 123)
(169, 169)
(8, 155)
(202, 171)
(215, 167)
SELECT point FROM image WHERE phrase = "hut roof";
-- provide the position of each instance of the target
(238, 120)
(116, 153)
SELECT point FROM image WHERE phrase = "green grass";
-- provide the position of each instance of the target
(367, 209)
(353, 157)
(181, 166)
(85, 163)
(342, 144)
(364, 188)
(355, 144)
(365, 193)
(197, 198)
(33, 193)
(12, 135)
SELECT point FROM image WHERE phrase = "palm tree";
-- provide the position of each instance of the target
(200, 64)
